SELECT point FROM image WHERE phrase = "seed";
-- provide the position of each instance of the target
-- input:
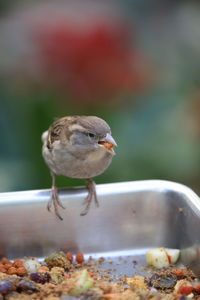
(8, 265)
(69, 256)
(2, 269)
(18, 263)
(5, 260)
(79, 258)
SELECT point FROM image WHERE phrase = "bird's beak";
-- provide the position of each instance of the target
(110, 139)
(108, 142)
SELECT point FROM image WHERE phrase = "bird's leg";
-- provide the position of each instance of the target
(91, 194)
(54, 198)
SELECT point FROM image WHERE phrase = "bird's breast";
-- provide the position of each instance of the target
(77, 165)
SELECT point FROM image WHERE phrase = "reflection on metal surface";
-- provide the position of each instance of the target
(132, 216)
(191, 257)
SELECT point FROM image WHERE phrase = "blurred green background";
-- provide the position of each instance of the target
(134, 63)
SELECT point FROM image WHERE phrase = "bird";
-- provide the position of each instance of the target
(77, 147)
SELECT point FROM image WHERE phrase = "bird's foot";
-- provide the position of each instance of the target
(55, 201)
(91, 194)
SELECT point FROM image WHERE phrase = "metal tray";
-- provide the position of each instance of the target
(132, 217)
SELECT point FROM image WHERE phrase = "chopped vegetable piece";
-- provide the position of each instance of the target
(58, 259)
(31, 265)
(82, 282)
(162, 257)
(185, 290)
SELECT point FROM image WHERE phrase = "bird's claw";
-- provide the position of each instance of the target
(91, 194)
(49, 204)
(54, 200)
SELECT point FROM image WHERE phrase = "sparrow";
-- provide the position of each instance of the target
(77, 147)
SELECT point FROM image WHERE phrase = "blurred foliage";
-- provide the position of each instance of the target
(133, 63)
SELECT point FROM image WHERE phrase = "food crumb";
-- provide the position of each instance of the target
(89, 279)
(181, 209)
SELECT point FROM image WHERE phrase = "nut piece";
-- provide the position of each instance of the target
(137, 282)
(79, 258)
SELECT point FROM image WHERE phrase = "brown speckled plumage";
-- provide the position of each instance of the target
(75, 146)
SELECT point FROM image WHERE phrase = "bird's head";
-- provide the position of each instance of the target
(91, 133)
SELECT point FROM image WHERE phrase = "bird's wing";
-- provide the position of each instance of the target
(44, 136)
(55, 131)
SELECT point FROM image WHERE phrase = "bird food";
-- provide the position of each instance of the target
(66, 277)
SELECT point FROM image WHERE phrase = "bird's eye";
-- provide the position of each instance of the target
(91, 135)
